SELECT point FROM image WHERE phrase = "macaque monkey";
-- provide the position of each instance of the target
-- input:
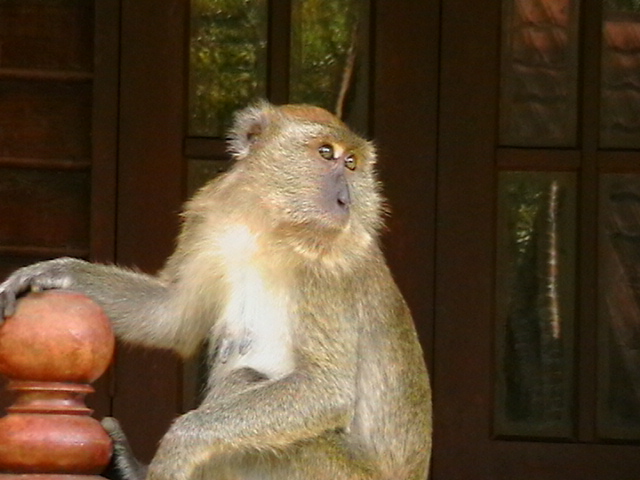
(316, 372)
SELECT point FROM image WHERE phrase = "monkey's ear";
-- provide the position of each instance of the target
(248, 127)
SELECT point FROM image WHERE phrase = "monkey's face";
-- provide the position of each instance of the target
(315, 177)
(320, 184)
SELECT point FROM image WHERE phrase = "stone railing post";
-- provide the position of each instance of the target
(55, 344)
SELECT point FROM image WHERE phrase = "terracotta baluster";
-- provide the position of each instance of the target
(50, 350)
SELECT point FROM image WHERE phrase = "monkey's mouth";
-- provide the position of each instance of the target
(342, 207)
(335, 214)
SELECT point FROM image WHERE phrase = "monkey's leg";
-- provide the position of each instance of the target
(269, 416)
(324, 458)
(327, 458)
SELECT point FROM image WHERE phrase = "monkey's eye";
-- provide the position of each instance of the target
(326, 152)
(350, 162)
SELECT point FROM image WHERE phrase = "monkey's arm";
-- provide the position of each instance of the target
(257, 418)
(138, 305)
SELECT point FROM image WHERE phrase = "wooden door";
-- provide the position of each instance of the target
(507, 135)
(536, 257)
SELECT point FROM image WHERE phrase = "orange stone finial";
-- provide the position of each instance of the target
(55, 344)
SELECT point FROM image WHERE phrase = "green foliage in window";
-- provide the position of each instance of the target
(623, 5)
(227, 61)
(228, 56)
(323, 36)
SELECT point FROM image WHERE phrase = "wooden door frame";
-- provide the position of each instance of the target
(463, 320)
(104, 155)
(150, 178)
(405, 80)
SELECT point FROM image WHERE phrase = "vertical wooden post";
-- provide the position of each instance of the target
(51, 349)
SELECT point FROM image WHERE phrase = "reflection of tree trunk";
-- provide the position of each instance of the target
(535, 355)
(347, 73)
(551, 355)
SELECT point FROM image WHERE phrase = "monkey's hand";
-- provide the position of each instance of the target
(52, 274)
(125, 466)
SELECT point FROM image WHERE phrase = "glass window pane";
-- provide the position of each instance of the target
(227, 61)
(539, 71)
(620, 103)
(200, 171)
(329, 53)
(619, 275)
(535, 304)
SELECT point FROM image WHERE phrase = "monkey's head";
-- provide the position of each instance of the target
(316, 177)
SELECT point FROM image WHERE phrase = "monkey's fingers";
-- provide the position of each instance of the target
(7, 305)
(9, 292)
(48, 275)
(12, 289)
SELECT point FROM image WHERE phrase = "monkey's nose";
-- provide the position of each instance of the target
(344, 197)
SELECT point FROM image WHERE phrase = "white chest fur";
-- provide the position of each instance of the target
(255, 321)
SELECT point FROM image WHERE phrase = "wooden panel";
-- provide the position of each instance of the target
(464, 263)
(45, 120)
(617, 161)
(150, 188)
(279, 43)
(537, 159)
(44, 208)
(5, 399)
(104, 134)
(404, 128)
(46, 34)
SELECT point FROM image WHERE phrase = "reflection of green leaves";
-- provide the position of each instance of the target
(322, 35)
(523, 197)
(227, 61)
(623, 5)
(228, 53)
